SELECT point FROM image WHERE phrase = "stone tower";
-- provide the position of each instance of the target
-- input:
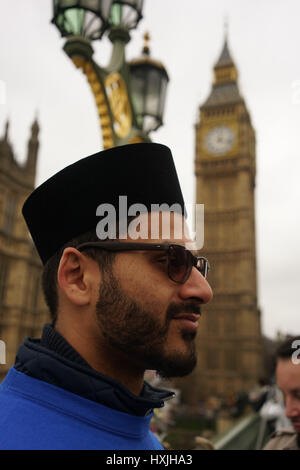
(229, 338)
(22, 308)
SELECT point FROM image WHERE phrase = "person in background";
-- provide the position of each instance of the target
(288, 381)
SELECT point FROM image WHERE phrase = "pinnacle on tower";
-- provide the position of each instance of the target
(33, 145)
(225, 59)
(35, 129)
(225, 87)
(5, 138)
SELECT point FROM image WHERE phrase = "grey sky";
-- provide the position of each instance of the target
(264, 39)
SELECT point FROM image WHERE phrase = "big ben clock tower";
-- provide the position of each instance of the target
(229, 338)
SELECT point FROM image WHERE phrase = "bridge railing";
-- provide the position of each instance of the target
(251, 433)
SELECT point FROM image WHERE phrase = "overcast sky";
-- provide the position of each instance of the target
(187, 36)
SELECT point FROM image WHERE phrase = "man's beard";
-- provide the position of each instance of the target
(132, 328)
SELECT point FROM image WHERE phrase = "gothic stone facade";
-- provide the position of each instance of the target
(22, 308)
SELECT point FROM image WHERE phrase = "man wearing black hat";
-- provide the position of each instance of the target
(123, 298)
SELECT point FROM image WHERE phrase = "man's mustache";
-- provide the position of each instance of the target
(295, 420)
(188, 307)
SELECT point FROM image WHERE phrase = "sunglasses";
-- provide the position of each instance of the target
(179, 260)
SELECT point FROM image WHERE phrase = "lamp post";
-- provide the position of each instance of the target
(130, 96)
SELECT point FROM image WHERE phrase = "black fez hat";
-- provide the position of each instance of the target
(65, 205)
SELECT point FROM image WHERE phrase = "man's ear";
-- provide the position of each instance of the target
(75, 278)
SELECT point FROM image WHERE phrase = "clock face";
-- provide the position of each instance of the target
(219, 140)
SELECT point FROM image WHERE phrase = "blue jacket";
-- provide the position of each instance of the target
(41, 416)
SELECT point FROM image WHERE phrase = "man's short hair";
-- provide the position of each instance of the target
(49, 275)
(286, 349)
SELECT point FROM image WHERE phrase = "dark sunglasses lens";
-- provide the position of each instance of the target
(178, 263)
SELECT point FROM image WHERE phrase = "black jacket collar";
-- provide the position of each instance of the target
(53, 360)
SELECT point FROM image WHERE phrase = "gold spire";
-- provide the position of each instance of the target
(225, 84)
(225, 70)
(146, 58)
(146, 49)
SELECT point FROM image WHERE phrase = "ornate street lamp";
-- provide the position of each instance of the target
(149, 81)
(126, 13)
(129, 97)
(86, 18)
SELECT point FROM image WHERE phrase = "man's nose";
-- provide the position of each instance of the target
(196, 287)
